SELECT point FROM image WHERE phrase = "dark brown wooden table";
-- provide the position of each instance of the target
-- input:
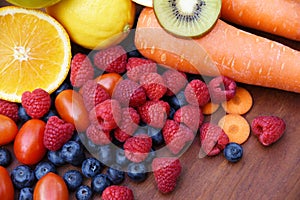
(263, 173)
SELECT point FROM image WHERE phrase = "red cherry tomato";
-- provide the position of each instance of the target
(29, 146)
(8, 130)
(109, 81)
(51, 187)
(6, 185)
(70, 107)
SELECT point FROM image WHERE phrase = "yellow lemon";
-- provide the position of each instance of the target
(35, 52)
(95, 24)
(33, 3)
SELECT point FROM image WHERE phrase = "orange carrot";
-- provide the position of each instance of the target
(236, 127)
(240, 104)
(210, 108)
(278, 17)
(242, 56)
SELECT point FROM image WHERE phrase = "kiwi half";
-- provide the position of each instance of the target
(188, 18)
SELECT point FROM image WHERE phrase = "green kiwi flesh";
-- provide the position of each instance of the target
(187, 18)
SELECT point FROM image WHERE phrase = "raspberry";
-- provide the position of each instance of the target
(268, 129)
(166, 171)
(81, 70)
(93, 94)
(213, 139)
(189, 115)
(154, 113)
(221, 88)
(154, 85)
(196, 93)
(9, 109)
(97, 135)
(112, 59)
(117, 192)
(36, 103)
(128, 124)
(106, 114)
(175, 81)
(137, 147)
(176, 136)
(129, 93)
(136, 67)
(57, 133)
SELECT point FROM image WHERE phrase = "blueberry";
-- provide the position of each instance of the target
(91, 167)
(156, 135)
(99, 183)
(116, 142)
(137, 172)
(172, 112)
(56, 158)
(22, 176)
(26, 193)
(78, 137)
(73, 179)
(191, 77)
(233, 152)
(23, 116)
(64, 86)
(91, 147)
(140, 130)
(115, 174)
(5, 157)
(134, 53)
(142, 123)
(84, 192)
(178, 100)
(121, 159)
(151, 156)
(51, 113)
(105, 154)
(73, 153)
(43, 168)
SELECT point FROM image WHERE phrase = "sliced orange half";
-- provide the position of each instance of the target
(35, 52)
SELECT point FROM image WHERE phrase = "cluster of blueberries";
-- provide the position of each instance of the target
(73, 153)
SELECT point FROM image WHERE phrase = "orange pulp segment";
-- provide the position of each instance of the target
(35, 52)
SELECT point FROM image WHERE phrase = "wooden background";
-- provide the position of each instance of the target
(263, 173)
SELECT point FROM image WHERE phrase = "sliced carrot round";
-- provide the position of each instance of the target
(241, 103)
(210, 108)
(236, 127)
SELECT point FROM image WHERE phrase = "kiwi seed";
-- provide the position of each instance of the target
(188, 18)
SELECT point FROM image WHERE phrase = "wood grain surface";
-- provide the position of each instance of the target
(263, 173)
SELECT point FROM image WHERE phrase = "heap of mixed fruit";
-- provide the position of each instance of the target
(119, 114)
(119, 110)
